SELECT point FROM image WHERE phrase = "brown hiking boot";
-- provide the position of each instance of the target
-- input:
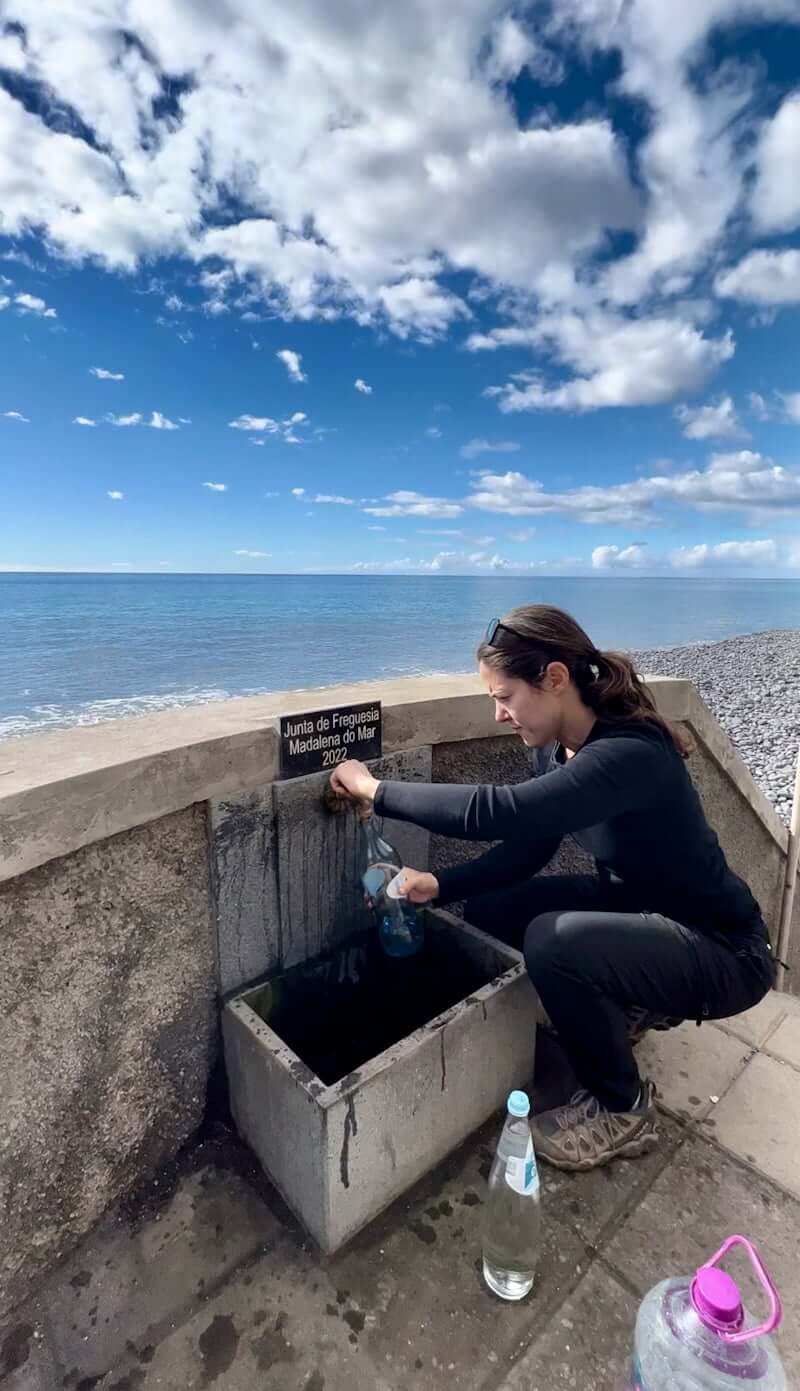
(584, 1135)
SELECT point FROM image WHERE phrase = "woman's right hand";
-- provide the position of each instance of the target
(418, 886)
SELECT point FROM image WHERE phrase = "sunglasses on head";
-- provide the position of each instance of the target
(494, 630)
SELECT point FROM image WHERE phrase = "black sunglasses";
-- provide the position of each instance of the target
(495, 627)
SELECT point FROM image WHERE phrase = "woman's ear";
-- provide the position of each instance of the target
(556, 678)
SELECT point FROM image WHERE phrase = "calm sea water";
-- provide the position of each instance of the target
(76, 649)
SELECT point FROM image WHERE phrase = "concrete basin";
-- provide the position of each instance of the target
(351, 1076)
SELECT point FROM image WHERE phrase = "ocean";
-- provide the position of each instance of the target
(78, 649)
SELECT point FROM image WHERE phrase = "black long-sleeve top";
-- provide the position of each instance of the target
(625, 796)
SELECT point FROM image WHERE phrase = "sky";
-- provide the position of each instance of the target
(445, 286)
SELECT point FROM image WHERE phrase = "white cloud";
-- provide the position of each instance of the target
(783, 406)
(619, 362)
(265, 425)
(292, 362)
(334, 497)
(158, 421)
(433, 432)
(410, 504)
(725, 553)
(775, 199)
(361, 385)
(253, 555)
(618, 558)
(298, 492)
(522, 535)
(115, 495)
(32, 304)
(254, 422)
(717, 420)
(105, 376)
(4, 302)
(473, 448)
(404, 161)
(376, 528)
(134, 419)
(763, 277)
(17, 415)
(742, 481)
(84, 420)
(485, 540)
(217, 487)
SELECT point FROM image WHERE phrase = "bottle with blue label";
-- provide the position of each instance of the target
(695, 1333)
(399, 924)
(512, 1217)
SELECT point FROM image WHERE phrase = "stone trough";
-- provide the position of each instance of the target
(351, 1076)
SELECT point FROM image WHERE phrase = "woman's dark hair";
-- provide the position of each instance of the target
(530, 637)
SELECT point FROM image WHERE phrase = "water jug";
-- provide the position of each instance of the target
(694, 1334)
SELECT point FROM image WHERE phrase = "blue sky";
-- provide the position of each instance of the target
(558, 247)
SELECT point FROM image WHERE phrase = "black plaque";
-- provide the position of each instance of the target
(315, 742)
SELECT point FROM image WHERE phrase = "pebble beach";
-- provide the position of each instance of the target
(752, 684)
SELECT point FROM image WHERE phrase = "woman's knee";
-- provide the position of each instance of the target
(542, 947)
(555, 941)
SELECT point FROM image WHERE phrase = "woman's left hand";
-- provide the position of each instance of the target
(353, 779)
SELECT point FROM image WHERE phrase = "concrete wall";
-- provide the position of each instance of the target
(107, 1031)
(148, 865)
(749, 848)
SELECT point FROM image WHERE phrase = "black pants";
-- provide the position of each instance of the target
(591, 959)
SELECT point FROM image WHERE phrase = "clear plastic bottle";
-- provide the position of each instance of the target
(694, 1334)
(399, 924)
(512, 1217)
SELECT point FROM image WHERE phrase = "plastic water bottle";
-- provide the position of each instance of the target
(399, 924)
(695, 1333)
(512, 1215)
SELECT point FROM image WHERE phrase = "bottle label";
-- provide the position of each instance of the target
(637, 1381)
(522, 1174)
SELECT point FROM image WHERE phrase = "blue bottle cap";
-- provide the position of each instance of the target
(518, 1104)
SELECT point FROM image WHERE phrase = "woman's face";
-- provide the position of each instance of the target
(534, 712)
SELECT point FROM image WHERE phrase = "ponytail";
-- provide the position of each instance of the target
(607, 682)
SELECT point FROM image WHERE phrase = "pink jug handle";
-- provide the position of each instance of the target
(767, 1284)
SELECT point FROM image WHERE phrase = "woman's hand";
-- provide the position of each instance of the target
(353, 779)
(418, 886)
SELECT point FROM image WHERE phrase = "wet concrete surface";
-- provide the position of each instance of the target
(205, 1280)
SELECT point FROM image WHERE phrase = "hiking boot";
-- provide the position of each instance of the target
(584, 1135)
(641, 1021)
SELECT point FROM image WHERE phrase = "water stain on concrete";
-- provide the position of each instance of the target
(470, 1199)
(130, 1382)
(350, 1128)
(355, 1320)
(423, 1232)
(316, 1382)
(16, 1348)
(273, 1346)
(81, 1280)
(218, 1346)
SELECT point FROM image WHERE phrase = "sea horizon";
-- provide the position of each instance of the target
(83, 647)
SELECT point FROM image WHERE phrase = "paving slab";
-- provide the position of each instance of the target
(587, 1345)
(593, 1204)
(702, 1198)
(276, 1325)
(418, 1271)
(785, 1042)
(690, 1066)
(758, 1119)
(129, 1282)
(756, 1025)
